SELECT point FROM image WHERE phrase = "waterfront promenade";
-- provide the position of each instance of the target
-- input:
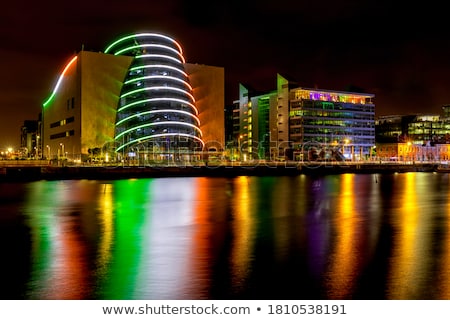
(42, 170)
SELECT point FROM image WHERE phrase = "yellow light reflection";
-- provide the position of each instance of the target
(105, 202)
(344, 260)
(243, 229)
(404, 277)
(444, 270)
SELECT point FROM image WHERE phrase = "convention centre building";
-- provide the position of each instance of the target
(137, 99)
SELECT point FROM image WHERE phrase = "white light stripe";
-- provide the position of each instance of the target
(159, 99)
(160, 123)
(150, 45)
(161, 135)
(159, 66)
(159, 111)
(162, 88)
(158, 56)
(159, 77)
(144, 35)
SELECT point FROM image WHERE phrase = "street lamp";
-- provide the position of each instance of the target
(239, 146)
(62, 149)
(37, 146)
(48, 151)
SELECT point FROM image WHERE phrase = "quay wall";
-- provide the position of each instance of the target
(34, 172)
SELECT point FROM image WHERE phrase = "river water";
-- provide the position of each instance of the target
(347, 236)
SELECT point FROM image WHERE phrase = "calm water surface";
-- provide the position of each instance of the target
(349, 236)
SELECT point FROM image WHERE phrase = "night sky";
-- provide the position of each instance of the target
(399, 52)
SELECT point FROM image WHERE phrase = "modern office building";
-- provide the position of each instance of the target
(423, 129)
(305, 124)
(137, 99)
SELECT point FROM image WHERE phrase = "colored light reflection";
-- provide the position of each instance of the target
(184, 238)
(200, 250)
(403, 255)
(130, 216)
(318, 225)
(168, 239)
(59, 271)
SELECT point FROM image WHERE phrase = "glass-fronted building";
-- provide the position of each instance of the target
(298, 123)
(333, 123)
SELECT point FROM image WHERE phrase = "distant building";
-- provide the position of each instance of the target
(407, 151)
(392, 128)
(423, 129)
(139, 99)
(424, 137)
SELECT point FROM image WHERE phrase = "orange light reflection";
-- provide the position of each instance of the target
(243, 229)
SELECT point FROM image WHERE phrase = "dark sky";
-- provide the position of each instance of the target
(398, 51)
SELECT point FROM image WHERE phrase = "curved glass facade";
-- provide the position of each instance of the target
(156, 109)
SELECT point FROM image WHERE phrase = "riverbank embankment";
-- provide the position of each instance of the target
(35, 171)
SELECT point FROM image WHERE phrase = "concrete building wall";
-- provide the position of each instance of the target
(102, 76)
(82, 113)
(208, 83)
(282, 119)
(62, 116)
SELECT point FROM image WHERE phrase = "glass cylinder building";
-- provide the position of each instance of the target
(156, 112)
